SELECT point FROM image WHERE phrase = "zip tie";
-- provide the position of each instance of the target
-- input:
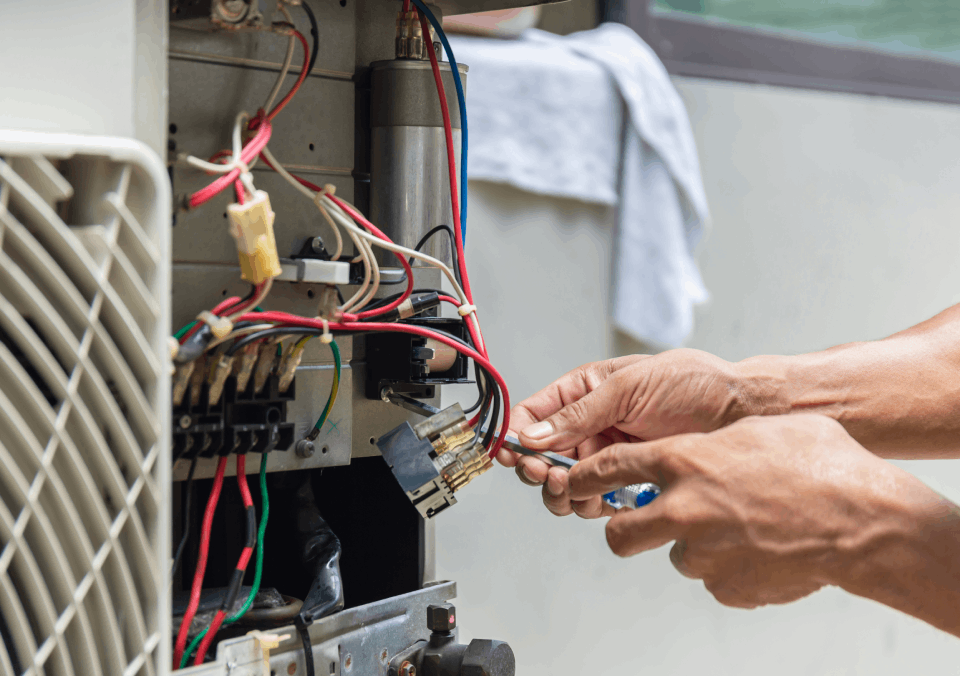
(220, 326)
(465, 310)
(326, 336)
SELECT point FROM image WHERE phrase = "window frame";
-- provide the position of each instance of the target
(708, 48)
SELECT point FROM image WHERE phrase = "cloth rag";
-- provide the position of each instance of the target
(594, 116)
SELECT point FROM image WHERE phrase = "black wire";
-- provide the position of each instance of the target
(481, 390)
(315, 32)
(307, 647)
(253, 337)
(380, 302)
(485, 410)
(453, 248)
(186, 517)
(488, 437)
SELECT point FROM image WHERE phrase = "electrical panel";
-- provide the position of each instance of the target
(223, 339)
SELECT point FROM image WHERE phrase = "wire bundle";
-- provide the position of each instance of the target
(360, 314)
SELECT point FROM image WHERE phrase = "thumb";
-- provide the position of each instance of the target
(579, 420)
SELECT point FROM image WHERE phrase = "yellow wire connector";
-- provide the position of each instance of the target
(251, 224)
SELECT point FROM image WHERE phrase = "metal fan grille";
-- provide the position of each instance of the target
(84, 457)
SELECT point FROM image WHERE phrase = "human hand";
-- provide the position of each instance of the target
(616, 401)
(767, 510)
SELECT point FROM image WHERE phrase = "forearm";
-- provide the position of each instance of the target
(899, 397)
(908, 561)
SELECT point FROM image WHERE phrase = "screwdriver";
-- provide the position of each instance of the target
(632, 496)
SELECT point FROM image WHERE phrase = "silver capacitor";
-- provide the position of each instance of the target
(409, 178)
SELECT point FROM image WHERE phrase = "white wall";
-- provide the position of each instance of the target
(835, 219)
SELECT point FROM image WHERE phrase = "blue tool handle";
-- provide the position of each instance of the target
(632, 497)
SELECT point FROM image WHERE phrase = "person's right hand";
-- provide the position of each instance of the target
(635, 398)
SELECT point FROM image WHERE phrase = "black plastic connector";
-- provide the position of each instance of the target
(240, 422)
(400, 361)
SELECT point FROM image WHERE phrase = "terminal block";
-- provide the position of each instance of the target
(214, 416)
(434, 459)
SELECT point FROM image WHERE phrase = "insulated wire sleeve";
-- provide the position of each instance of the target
(186, 510)
(258, 573)
(462, 103)
(334, 389)
(314, 32)
(307, 648)
(201, 561)
(241, 568)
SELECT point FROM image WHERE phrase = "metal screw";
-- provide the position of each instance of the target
(185, 421)
(292, 668)
(316, 244)
(305, 448)
(407, 669)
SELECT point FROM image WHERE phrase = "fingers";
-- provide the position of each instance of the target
(577, 420)
(677, 553)
(556, 498)
(639, 530)
(624, 464)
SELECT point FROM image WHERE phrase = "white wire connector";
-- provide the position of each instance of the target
(219, 326)
(466, 309)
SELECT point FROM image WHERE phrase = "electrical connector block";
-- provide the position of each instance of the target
(181, 379)
(289, 363)
(218, 378)
(248, 359)
(265, 366)
(434, 459)
(251, 225)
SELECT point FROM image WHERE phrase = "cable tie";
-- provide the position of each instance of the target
(326, 336)
(220, 326)
(465, 310)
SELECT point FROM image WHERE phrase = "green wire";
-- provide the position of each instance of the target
(259, 568)
(331, 400)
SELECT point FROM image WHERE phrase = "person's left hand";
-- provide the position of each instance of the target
(767, 510)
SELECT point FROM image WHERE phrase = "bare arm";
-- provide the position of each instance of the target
(899, 397)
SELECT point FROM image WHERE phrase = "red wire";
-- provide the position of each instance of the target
(241, 564)
(249, 152)
(238, 187)
(223, 305)
(201, 569)
(357, 216)
(286, 318)
(406, 6)
(212, 630)
(451, 163)
(242, 481)
(296, 85)
(451, 300)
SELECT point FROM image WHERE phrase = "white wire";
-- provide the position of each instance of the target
(286, 62)
(352, 228)
(367, 272)
(234, 162)
(348, 223)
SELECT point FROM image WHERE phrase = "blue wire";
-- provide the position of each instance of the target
(463, 114)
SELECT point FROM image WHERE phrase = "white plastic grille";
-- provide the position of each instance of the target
(84, 383)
